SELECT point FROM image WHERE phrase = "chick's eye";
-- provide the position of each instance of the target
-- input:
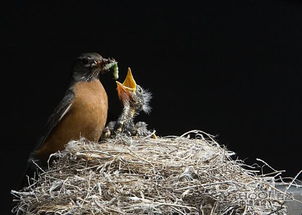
(139, 89)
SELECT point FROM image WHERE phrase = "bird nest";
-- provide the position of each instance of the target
(190, 174)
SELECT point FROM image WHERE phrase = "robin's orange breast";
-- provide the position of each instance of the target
(86, 118)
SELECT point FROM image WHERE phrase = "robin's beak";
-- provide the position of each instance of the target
(125, 89)
(110, 64)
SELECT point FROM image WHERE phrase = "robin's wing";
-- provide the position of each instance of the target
(60, 111)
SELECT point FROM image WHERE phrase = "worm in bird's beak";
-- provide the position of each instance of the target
(111, 64)
(125, 89)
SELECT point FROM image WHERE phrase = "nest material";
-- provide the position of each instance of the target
(171, 175)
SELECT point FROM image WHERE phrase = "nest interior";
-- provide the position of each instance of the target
(190, 174)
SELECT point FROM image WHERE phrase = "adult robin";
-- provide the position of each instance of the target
(83, 110)
(134, 99)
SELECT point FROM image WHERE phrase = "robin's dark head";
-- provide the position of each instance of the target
(133, 94)
(88, 66)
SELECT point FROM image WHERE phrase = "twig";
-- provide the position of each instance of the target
(293, 181)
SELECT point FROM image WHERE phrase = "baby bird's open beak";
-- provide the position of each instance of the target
(125, 89)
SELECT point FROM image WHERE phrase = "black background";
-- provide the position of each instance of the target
(230, 68)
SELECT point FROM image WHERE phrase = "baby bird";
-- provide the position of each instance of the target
(134, 99)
